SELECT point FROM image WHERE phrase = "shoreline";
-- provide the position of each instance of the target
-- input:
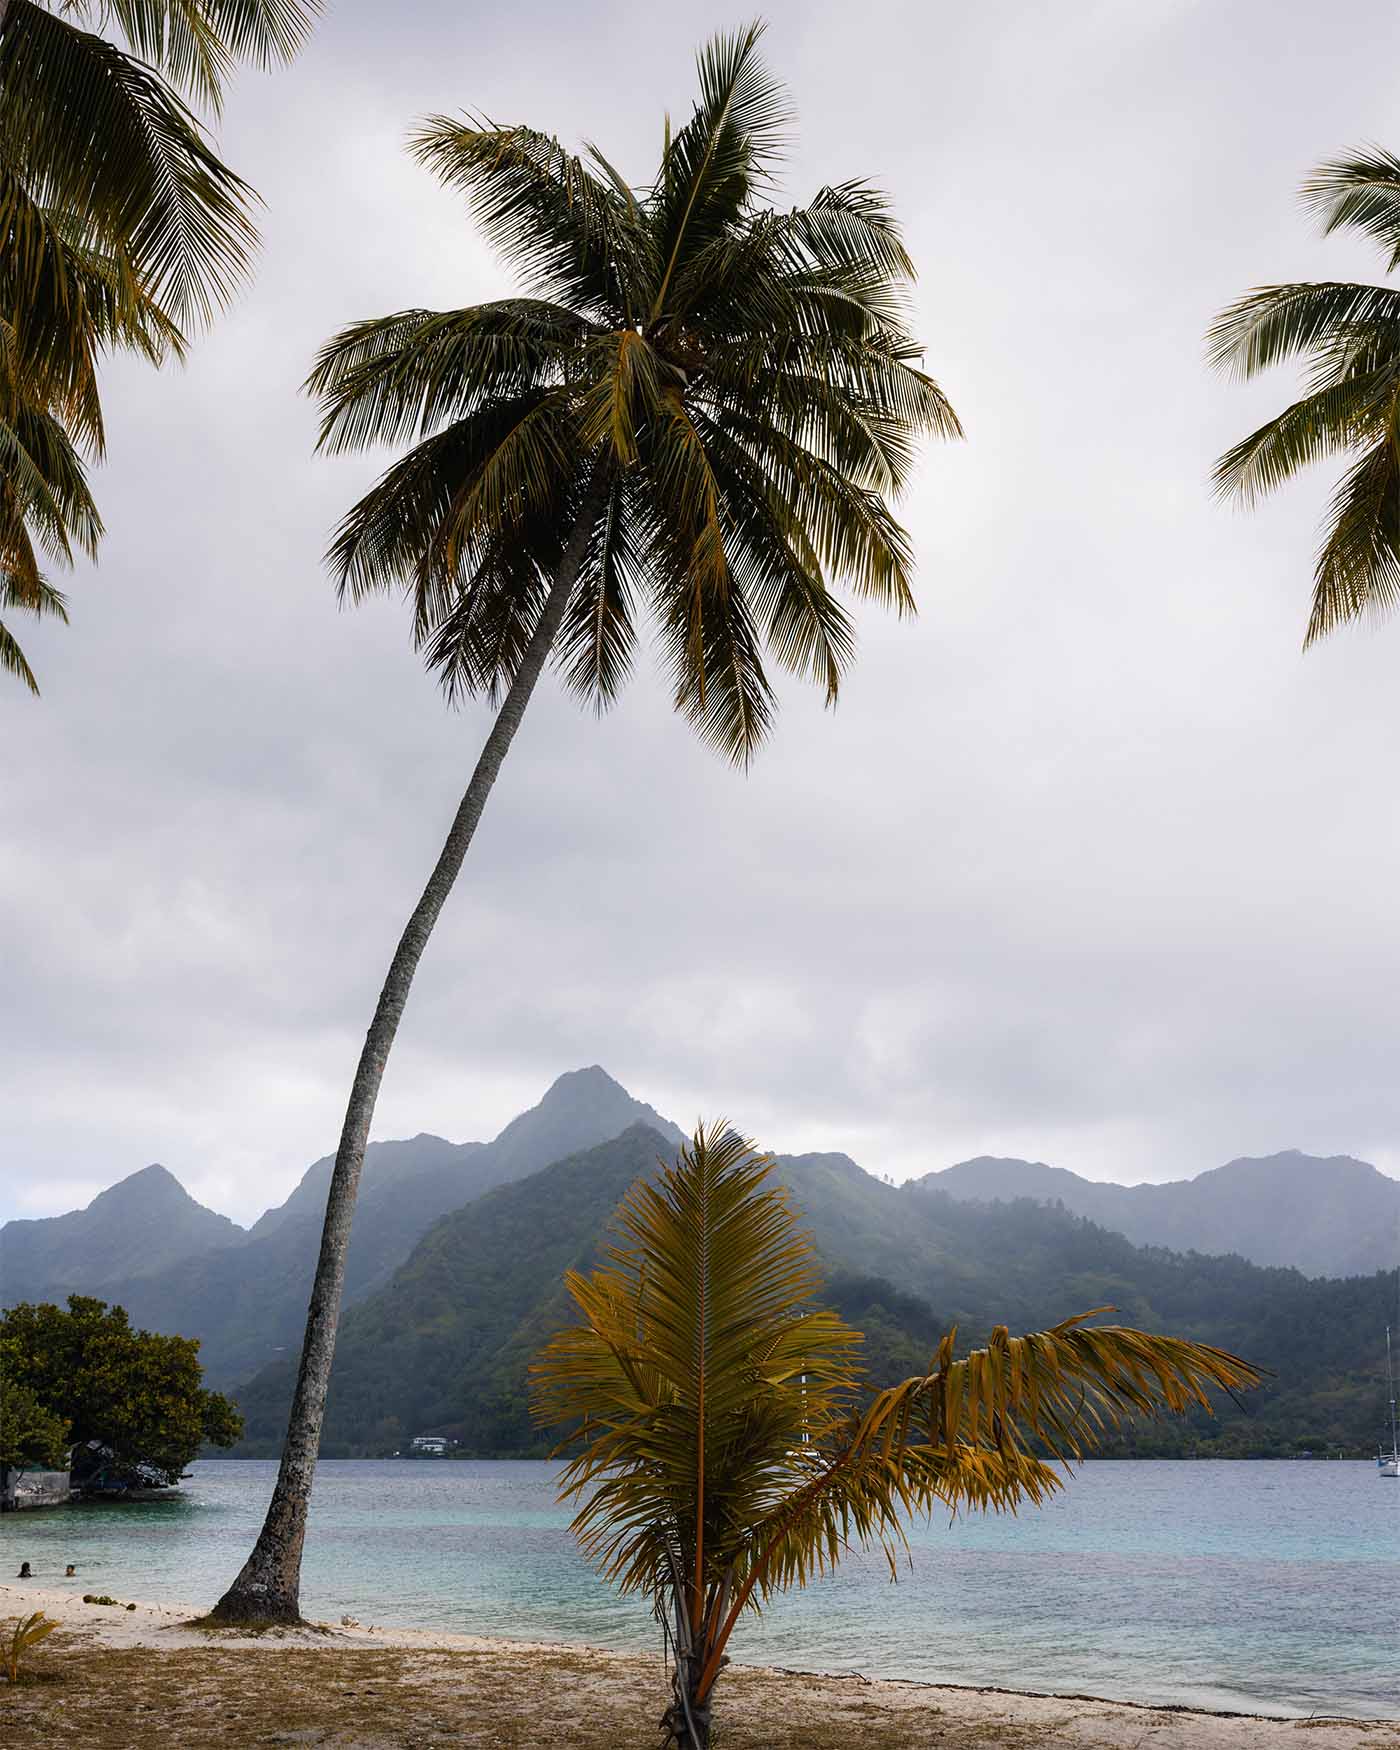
(153, 1657)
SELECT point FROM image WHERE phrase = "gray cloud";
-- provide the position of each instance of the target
(1091, 864)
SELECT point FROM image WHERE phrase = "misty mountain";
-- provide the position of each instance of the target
(459, 1248)
(247, 1302)
(449, 1339)
(1331, 1216)
(138, 1227)
(445, 1346)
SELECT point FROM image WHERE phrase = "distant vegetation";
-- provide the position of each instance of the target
(459, 1248)
(445, 1345)
(131, 1403)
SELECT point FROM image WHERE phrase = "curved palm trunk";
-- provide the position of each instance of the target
(268, 1587)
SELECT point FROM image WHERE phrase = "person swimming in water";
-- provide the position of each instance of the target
(24, 1573)
(69, 1571)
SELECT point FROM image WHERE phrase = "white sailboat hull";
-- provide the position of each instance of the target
(1390, 1467)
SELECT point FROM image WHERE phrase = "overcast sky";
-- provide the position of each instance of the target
(1091, 864)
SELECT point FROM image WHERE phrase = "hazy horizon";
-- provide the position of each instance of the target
(245, 1216)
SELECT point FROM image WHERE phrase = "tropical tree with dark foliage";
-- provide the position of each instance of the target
(133, 1403)
(120, 226)
(1347, 336)
(727, 1445)
(696, 412)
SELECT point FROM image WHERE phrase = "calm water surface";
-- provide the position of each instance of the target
(1269, 1587)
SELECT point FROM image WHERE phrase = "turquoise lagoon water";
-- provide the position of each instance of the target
(1257, 1587)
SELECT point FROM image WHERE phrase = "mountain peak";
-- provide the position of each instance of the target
(149, 1186)
(592, 1078)
(142, 1224)
(580, 1109)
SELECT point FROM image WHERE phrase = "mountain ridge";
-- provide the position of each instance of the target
(247, 1303)
(444, 1347)
(1327, 1215)
(136, 1227)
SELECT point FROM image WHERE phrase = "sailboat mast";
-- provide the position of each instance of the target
(1390, 1381)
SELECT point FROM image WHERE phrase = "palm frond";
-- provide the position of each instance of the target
(1362, 192)
(33, 596)
(478, 639)
(1332, 419)
(156, 190)
(424, 524)
(598, 637)
(712, 165)
(568, 234)
(1274, 323)
(63, 303)
(43, 493)
(625, 392)
(1358, 568)
(196, 43)
(398, 378)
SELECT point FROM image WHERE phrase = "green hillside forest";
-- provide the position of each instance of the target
(444, 1345)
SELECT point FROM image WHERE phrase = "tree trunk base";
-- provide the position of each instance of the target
(684, 1733)
(239, 1609)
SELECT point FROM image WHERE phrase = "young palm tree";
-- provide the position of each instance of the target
(727, 1445)
(1349, 338)
(119, 226)
(697, 408)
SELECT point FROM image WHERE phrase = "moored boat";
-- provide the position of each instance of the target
(1389, 1462)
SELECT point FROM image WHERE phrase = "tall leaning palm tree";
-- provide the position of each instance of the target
(698, 408)
(120, 226)
(1348, 338)
(728, 1446)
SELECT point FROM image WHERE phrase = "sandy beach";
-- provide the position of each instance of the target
(113, 1677)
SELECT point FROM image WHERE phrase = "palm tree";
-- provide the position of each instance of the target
(727, 1446)
(119, 227)
(50, 415)
(1348, 335)
(698, 407)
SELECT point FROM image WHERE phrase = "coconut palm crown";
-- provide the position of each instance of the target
(1348, 337)
(715, 399)
(726, 1444)
(120, 226)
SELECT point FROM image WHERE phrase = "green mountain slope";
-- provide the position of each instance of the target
(136, 1228)
(447, 1342)
(446, 1345)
